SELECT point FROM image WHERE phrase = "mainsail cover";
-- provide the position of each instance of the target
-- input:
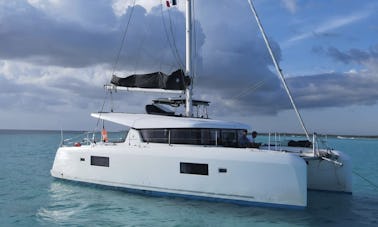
(176, 81)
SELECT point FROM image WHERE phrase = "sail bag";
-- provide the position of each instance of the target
(176, 81)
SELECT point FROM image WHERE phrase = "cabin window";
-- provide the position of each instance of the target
(229, 138)
(100, 161)
(195, 136)
(155, 135)
(208, 136)
(194, 168)
(185, 136)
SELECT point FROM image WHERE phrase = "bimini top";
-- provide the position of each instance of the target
(144, 121)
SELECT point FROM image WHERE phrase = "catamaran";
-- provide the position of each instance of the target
(190, 155)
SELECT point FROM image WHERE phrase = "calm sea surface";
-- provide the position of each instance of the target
(29, 196)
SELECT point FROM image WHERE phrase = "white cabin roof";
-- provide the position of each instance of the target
(144, 121)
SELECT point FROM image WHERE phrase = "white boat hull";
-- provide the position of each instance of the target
(332, 174)
(324, 175)
(234, 174)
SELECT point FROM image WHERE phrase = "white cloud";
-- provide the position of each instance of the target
(290, 5)
(96, 15)
(120, 6)
(45, 4)
(326, 26)
(371, 65)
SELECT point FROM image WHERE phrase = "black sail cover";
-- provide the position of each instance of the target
(176, 81)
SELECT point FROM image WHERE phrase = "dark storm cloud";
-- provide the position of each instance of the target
(25, 97)
(334, 90)
(350, 56)
(42, 38)
(32, 35)
(236, 74)
(340, 89)
(347, 57)
(234, 70)
(309, 92)
(36, 99)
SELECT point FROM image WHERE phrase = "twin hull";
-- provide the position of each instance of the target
(216, 173)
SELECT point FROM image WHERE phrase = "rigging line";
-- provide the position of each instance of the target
(123, 38)
(156, 59)
(367, 180)
(279, 70)
(174, 40)
(139, 52)
(101, 111)
(250, 89)
(167, 34)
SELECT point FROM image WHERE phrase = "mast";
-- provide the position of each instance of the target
(188, 70)
(279, 71)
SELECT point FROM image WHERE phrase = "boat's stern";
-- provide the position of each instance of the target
(68, 162)
(330, 171)
(57, 168)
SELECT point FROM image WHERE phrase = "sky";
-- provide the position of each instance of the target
(56, 55)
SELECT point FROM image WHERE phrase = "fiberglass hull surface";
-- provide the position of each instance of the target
(333, 175)
(239, 175)
(324, 175)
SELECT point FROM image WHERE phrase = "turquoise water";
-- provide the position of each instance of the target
(29, 196)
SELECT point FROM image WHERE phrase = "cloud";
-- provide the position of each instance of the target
(31, 35)
(56, 55)
(52, 61)
(290, 5)
(45, 41)
(335, 90)
(31, 88)
(353, 55)
(327, 27)
(95, 15)
(120, 6)
(340, 89)
(235, 71)
(356, 87)
(73, 39)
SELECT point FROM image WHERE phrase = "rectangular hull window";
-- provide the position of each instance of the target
(194, 168)
(99, 161)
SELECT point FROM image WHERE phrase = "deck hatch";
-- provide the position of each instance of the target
(194, 168)
(100, 161)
